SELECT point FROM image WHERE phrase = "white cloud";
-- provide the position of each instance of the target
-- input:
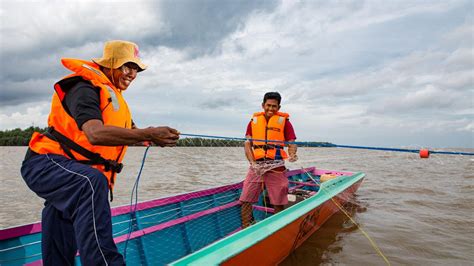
(428, 98)
(30, 116)
(377, 68)
(463, 35)
(33, 24)
(462, 58)
(273, 51)
(469, 127)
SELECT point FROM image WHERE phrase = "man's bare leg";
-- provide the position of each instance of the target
(246, 214)
(278, 208)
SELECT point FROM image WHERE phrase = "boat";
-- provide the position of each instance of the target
(204, 227)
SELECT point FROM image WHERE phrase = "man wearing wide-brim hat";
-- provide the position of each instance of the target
(74, 165)
(117, 53)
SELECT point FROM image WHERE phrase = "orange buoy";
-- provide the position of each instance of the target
(424, 153)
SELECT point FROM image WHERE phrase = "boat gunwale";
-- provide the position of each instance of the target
(33, 228)
(149, 204)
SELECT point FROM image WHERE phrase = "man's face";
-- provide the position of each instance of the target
(124, 75)
(270, 107)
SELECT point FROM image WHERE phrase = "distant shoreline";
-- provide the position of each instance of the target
(21, 137)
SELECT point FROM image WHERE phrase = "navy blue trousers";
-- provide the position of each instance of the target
(76, 212)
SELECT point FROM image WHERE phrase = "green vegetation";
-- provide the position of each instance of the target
(21, 137)
(17, 136)
(201, 142)
(316, 144)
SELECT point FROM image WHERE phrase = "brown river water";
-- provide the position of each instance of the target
(418, 211)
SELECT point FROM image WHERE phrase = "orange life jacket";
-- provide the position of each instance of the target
(273, 130)
(65, 138)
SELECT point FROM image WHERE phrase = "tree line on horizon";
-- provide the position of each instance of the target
(21, 137)
(18, 136)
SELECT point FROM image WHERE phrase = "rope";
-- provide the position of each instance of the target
(134, 204)
(311, 144)
(403, 150)
(372, 242)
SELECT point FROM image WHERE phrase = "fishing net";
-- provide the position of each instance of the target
(185, 224)
(207, 175)
(189, 194)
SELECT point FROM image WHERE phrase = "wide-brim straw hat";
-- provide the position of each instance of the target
(117, 53)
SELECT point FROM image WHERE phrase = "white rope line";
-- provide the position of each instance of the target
(119, 232)
(92, 203)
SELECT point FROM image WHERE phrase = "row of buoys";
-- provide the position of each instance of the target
(424, 153)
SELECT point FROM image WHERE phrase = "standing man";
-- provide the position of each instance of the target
(267, 133)
(74, 164)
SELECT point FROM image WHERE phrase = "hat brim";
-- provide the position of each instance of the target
(119, 62)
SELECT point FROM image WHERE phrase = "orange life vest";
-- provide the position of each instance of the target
(273, 130)
(63, 128)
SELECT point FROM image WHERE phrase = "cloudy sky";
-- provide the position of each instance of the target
(380, 73)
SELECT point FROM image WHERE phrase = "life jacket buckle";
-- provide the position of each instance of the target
(266, 147)
(113, 165)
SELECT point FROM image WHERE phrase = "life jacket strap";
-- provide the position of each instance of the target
(267, 147)
(93, 158)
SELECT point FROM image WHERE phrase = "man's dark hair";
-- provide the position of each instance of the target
(272, 95)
